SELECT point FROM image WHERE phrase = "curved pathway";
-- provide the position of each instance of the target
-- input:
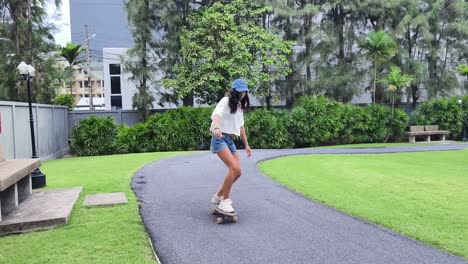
(275, 224)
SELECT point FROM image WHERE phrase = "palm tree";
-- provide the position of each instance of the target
(397, 81)
(71, 52)
(380, 47)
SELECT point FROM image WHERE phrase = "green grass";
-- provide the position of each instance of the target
(92, 235)
(379, 145)
(422, 195)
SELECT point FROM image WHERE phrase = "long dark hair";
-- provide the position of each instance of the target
(234, 98)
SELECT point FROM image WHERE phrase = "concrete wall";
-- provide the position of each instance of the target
(126, 117)
(50, 125)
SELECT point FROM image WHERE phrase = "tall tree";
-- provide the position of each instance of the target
(448, 32)
(141, 59)
(225, 42)
(25, 36)
(173, 16)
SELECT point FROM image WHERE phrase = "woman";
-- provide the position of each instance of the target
(227, 122)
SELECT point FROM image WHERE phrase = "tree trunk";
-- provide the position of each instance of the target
(188, 100)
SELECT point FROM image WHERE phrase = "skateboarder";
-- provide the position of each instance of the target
(227, 123)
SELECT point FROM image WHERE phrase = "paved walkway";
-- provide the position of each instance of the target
(275, 225)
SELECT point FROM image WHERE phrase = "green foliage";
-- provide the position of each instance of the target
(65, 100)
(134, 139)
(315, 121)
(463, 69)
(380, 48)
(184, 128)
(94, 136)
(16, 46)
(444, 112)
(319, 121)
(71, 52)
(268, 129)
(140, 60)
(223, 43)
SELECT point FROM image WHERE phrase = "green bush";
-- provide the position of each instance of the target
(315, 121)
(381, 126)
(444, 112)
(65, 100)
(184, 128)
(354, 125)
(134, 139)
(267, 129)
(94, 136)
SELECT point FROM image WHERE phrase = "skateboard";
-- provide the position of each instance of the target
(222, 217)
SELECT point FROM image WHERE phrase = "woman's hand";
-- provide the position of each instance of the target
(248, 151)
(217, 133)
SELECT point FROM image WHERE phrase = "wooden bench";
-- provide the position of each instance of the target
(426, 131)
(15, 182)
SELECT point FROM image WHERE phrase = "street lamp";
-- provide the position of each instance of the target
(37, 177)
(464, 138)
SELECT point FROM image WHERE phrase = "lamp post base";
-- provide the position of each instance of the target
(38, 179)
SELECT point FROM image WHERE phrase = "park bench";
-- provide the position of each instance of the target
(15, 182)
(426, 131)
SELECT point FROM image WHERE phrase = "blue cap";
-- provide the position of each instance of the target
(240, 85)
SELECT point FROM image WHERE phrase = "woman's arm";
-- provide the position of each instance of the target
(217, 122)
(246, 142)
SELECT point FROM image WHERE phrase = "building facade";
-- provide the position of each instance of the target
(81, 83)
(105, 18)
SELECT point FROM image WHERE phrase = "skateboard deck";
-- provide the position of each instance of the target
(222, 217)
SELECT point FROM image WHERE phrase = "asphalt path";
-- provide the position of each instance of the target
(275, 225)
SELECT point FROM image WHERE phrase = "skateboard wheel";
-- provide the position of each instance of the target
(234, 219)
(219, 220)
(213, 211)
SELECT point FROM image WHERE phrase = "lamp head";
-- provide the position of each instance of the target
(23, 68)
(31, 70)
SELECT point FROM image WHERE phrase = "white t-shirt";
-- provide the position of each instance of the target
(230, 123)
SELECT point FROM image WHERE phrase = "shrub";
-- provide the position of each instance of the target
(314, 121)
(267, 129)
(184, 128)
(94, 136)
(445, 112)
(134, 139)
(65, 100)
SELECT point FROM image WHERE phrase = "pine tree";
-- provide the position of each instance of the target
(141, 60)
(30, 42)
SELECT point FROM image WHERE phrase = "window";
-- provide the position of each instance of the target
(81, 84)
(86, 84)
(115, 85)
(114, 68)
(116, 102)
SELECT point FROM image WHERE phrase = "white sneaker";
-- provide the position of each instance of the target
(226, 206)
(216, 199)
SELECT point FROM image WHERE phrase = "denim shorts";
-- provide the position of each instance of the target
(218, 144)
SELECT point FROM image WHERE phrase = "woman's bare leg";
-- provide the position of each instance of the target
(234, 172)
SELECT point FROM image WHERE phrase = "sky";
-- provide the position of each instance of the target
(61, 18)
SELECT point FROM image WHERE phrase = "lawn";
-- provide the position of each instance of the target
(423, 195)
(382, 145)
(92, 235)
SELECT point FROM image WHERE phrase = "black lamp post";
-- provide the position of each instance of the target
(464, 138)
(37, 177)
